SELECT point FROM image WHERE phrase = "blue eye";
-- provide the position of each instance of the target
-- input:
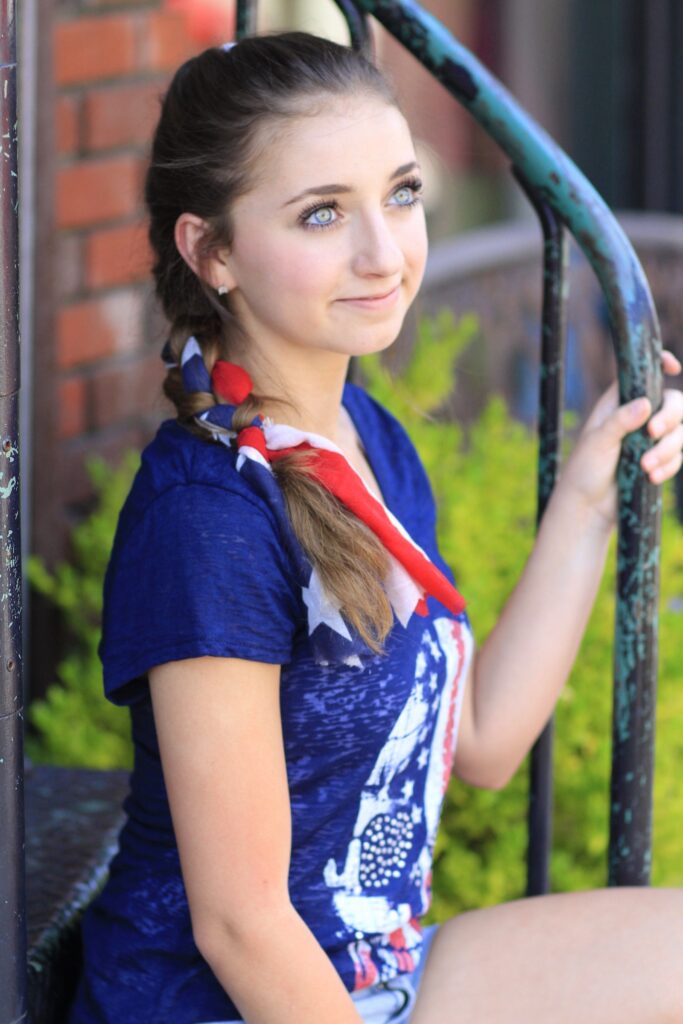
(408, 192)
(323, 214)
(404, 196)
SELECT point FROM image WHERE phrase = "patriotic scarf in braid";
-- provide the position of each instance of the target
(412, 575)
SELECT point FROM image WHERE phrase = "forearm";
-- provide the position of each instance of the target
(523, 665)
(277, 973)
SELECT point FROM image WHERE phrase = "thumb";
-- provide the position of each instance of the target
(627, 417)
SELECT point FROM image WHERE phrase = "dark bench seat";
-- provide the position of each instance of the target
(73, 817)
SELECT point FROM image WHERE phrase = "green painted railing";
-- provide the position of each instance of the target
(12, 872)
(567, 203)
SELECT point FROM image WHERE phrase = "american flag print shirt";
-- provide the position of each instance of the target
(197, 568)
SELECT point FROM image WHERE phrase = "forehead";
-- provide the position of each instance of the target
(346, 140)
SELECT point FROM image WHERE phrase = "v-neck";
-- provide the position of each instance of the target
(360, 426)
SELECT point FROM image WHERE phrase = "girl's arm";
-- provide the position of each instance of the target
(219, 730)
(520, 670)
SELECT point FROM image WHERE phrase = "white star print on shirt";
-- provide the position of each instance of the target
(408, 788)
(321, 609)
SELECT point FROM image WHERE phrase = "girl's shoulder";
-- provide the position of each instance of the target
(197, 568)
(178, 462)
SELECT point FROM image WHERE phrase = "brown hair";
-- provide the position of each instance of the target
(204, 154)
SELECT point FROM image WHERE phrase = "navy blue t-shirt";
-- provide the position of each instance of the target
(198, 568)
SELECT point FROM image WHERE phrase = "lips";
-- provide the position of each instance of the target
(370, 298)
(378, 303)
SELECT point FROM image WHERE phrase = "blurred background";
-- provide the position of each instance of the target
(602, 76)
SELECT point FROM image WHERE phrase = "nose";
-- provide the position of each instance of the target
(377, 252)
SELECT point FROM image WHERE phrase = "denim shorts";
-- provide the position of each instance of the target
(388, 1002)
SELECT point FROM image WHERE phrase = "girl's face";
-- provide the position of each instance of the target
(329, 245)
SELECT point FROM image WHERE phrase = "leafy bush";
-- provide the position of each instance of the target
(74, 724)
(485, 486)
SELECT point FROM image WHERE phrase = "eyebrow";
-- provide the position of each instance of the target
(328, 190)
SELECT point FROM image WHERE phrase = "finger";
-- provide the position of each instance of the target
(668, 470)
(626, 418)
(672, 364)
(668, 448)
(669, 415)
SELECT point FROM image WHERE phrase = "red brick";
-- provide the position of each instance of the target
(91, 49)
(128, 391)
(100, 5)
(95, 191)
(67, 124)
(117, 256)
(207, 22)
(121, 115)
(141, 174)
(165, 42)
(71, 407)
(96, 328)
(68, 265)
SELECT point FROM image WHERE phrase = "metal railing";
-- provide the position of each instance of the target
(12, 872)
(566, 202)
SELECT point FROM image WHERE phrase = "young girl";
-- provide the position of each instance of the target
(277, 615)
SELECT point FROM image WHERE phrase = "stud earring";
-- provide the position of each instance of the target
(222, 289)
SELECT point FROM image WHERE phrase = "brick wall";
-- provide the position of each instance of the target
(111, 63)
(97, 373)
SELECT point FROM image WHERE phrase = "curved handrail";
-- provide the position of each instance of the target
(635, 329)
(544, 166)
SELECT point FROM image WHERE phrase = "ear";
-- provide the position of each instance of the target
(188, 233)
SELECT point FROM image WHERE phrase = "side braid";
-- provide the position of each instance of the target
(204, 156)
(349, 559)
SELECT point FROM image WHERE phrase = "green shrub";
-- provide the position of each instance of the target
(485, 486)
(74, 724)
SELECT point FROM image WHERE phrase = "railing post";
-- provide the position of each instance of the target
(245, 18)
(637, 342)
(550, 406)
(12, 870)
(359, 28)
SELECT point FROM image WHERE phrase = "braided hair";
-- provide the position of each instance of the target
(204, 153)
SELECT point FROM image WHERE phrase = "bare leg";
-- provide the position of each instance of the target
(614, 956)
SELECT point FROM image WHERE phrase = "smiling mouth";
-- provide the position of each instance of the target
(372, 298)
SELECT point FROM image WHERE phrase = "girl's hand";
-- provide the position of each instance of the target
(590, 472)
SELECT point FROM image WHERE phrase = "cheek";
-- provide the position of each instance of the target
(297, 268)
(421, 241)
(416, 247)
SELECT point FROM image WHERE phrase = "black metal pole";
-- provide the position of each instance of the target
(635, 685)
(637, 341)
(13, 1001)
(359, 27)
(245, 18)
(551, 402)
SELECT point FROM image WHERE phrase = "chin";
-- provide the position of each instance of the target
(383, 341)
(378, 340)
(368, 347)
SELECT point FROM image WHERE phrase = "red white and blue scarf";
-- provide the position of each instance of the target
(412, 576)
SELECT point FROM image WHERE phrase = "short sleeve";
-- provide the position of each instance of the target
(200, 572)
